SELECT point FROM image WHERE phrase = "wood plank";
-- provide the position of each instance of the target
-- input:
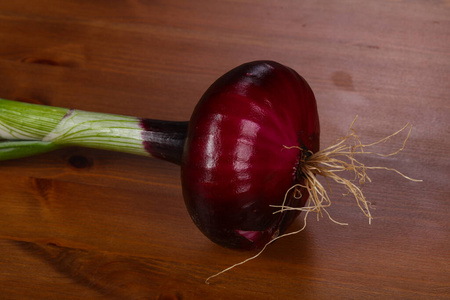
(88, 223)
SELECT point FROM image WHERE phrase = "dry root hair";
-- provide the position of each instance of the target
(329, 163)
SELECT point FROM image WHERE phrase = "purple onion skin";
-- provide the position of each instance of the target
(234, 164)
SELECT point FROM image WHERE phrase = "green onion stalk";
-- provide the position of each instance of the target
(30, 129)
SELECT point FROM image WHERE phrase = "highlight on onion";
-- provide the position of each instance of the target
(249, 155)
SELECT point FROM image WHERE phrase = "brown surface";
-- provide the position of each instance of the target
(116, 226)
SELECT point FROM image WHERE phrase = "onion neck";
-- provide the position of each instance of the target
(164, 139)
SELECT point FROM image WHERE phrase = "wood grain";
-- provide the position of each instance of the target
(81, 223)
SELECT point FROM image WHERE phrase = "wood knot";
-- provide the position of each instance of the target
(80, 162)
(43, 186)
(343, 80)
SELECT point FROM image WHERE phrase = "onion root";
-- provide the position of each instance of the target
(328, 163)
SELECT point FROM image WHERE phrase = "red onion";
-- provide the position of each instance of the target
(249, 155)
(235, 164)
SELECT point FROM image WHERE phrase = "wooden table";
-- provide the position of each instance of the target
(80, 223)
